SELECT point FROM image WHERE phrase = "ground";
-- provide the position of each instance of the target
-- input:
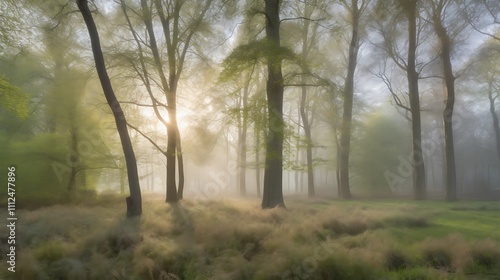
(235, 239)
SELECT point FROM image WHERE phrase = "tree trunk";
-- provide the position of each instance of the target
(257, 157)
(419, 183)
(180, 162)
(170, 90)
(297, 159)
(273, 175)
(451, 188)
(303, 113)
(345, 139)
(494, 116)
(171, 156)
(243, 142)
(71, 188)
(337, 164)
(307, 132)
(134, 201)
(122, 179)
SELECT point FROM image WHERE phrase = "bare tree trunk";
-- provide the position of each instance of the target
(419, 183)
(345, 140)
(273, 175)
(170, 90)
(307, 132)
(303, 114)
(257, 157)
(122, 181)
(134, 201)
(171, 157)
(451, 188)
(180, 162)
(242, 141)
(71, 188)
(337, 164)
(494, 116)
(297, 159)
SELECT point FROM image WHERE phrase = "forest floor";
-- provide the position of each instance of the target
(235, 239)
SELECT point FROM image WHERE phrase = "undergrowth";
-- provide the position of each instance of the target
(235, 239)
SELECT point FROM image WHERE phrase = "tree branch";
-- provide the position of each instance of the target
(144, 105)
(148, 138)
(304, 18)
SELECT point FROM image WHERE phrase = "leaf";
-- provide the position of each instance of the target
(245, 56)
(13, 99)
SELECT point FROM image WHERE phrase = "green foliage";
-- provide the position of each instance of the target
(486, 254)
(50, 251)
(244, 57)
(396, 259)
(410, 222)
(418, 273)
(13, 99)
(379, 150)
(37, 183)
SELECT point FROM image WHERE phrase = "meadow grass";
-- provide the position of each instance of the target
(235, 239)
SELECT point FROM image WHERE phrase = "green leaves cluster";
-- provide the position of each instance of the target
(245, 56)
(13, 99)
(385, 140)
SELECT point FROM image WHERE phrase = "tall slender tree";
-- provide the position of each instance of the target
(134, 201)
(309, 38)
(179, 23)
(410, 10)
(439, 12)
(355, 9)
(273, 174)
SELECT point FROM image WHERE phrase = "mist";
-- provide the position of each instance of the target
(184, 139)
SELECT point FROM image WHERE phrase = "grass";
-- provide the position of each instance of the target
(235, 239)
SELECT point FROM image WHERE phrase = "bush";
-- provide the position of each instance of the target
(407, 221)
(50, 251)
(396, 260)
(415, 274)
(486, 254)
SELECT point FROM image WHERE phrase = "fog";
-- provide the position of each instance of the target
(185, 139)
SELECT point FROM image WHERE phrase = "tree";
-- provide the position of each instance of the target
(493, 93)
(438, 12)
(309, 40)
(410, 10)
(481, 14)
(378, 152)
(272, 195)
(484, 74)
(180, 24)
(134, 201)
(355, 10)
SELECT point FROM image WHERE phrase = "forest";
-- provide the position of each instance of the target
(249, 139)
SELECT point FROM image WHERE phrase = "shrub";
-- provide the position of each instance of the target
(351, 227)
(486, 253)
(407, 221)
(449, 253)
(396, 260)
(418, 273)
(50, 251)
(438, 258)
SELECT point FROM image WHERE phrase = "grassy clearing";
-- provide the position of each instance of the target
(235, 239)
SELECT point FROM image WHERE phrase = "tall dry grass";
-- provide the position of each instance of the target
(235, 239)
